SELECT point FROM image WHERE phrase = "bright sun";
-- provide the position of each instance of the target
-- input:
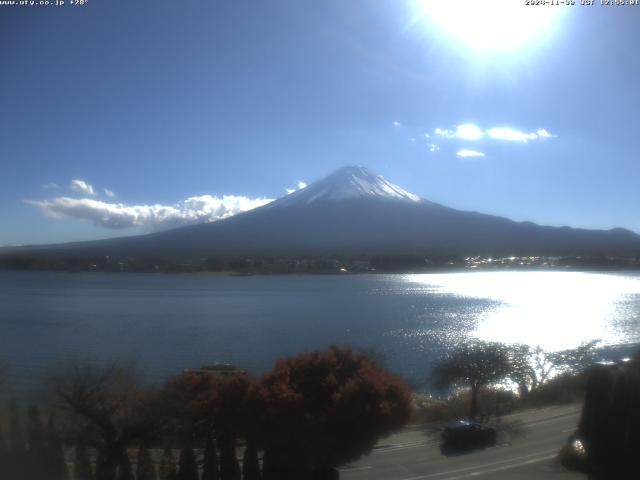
(490, 25)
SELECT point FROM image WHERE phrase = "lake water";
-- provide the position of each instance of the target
(170, 322)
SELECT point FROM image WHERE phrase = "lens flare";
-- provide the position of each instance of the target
(492, 25)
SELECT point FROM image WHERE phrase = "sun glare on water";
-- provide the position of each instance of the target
(492, 25)
(555, 310)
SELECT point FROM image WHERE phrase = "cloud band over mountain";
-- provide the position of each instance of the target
(118, 216)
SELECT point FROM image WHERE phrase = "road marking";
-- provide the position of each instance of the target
(550, 419)
(400, 446)
(500, 469)
(355, 469)
(547, 453)
(394, 445)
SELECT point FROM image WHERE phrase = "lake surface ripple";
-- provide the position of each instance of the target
(169, 322)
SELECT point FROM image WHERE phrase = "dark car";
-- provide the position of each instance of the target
(465, 434)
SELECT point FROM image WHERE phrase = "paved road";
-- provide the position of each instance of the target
(527, 446)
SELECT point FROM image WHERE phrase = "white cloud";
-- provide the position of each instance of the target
(464, 153)
(300, 186)
(465, 131)
(542, 133)
(469, 131)
(426, 135)
(512, 135)
(201, 209)
(109, 193)
(81, 186)
(443, 132)
(433, 147)
(51, 186)
(396, 123)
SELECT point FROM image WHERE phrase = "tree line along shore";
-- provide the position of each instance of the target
(313, 413)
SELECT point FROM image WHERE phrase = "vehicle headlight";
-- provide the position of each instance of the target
(579, 448)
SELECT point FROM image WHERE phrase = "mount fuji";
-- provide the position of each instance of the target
(355, 211)
(347, 183)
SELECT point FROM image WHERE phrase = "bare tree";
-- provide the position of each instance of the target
(576, 359)
(107, 409)
(533, 367)
(474, 365)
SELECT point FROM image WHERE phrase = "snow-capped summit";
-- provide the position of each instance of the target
(350, 182)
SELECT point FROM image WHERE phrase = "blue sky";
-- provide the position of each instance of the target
(172, 105)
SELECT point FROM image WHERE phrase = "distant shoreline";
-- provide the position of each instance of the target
(231, 273)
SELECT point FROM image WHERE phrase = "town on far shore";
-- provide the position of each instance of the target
(335, 263)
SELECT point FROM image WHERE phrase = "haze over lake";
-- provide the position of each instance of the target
(170, 322)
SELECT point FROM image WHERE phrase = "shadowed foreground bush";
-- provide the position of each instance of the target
(322, 409)
(311, 414)
(610, 422)
(563, 389)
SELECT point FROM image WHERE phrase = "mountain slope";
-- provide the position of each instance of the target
(357, 212)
